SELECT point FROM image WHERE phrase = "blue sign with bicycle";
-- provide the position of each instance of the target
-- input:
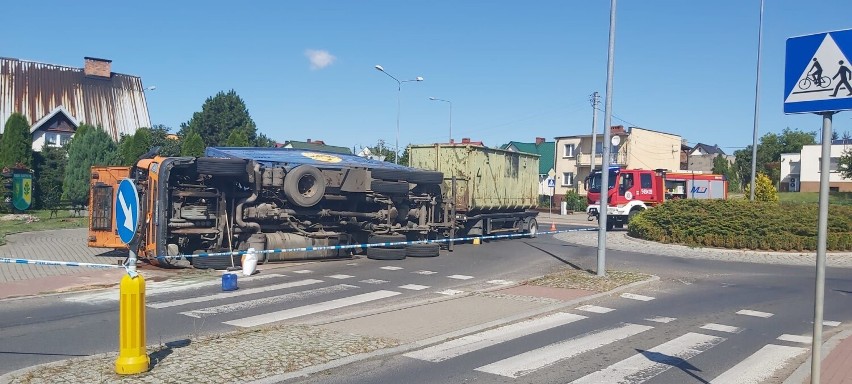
(127, 210)
(818, 73)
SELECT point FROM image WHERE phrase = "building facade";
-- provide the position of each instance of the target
(545, 149)
(56, 99)
(638, 148)
(808, 176)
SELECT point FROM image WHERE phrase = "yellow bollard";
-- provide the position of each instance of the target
(132, 355)
(476, 241)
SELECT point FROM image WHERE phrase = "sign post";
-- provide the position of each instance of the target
(817, 80)
(132, 355)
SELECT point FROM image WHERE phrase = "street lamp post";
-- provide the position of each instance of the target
(451, 114)
(398, 92)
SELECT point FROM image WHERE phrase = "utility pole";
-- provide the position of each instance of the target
(595, 99)
(603, 208)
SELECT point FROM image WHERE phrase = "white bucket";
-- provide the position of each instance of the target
(249, 262)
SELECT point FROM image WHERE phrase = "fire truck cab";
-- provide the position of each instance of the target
(631, 191)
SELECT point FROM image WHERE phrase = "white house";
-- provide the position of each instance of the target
(802, 173)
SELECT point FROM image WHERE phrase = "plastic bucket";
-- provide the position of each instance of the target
(249, 262)
(229, 282)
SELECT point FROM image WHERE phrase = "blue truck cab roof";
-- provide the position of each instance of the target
(291, 157)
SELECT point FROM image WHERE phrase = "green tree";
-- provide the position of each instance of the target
(721, 166)
(133, 147)
(160, 137)
(264, 141)
(16, 145)
(192, 145)
(403, 159)
(92, 146)
(764, 189)
(844, 166)
(381, 149)
(219, 116)
(50, 165)
(237, 138)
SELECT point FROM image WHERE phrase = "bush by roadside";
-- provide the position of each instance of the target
(742, 224)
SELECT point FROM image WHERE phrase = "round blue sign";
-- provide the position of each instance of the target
(126, 210)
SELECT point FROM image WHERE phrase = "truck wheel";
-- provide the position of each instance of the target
(425, 177)
(304, 186)
(532, 228)
(376, 253)
(389, 174)
(378, 239)
(609, 225)
(423, 250)
(389, 187)
(216, 166)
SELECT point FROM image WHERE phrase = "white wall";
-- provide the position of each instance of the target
(810, 165)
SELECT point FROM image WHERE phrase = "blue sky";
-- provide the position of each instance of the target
(513, 70)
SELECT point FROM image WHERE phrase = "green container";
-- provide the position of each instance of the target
(487, 179)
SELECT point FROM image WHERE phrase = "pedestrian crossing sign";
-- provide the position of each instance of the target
(818, 74)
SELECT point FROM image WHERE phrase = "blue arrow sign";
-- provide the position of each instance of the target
(818, 74)
(126, 210)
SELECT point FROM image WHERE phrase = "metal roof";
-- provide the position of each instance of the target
(292, 156)
(37, 89)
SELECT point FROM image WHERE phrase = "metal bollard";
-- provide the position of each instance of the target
(132, 355)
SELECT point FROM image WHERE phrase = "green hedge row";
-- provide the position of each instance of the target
(743, 224)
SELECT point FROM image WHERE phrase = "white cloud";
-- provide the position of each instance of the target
(319, 58)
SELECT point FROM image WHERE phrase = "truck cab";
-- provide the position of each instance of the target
(629, 192)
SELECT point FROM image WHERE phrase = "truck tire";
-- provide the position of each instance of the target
(532, 228)
(609, 225)
(425, 177)
(423, 250)
(389, 187)
(304, 186)
(389, 174)
(376, 253)
(378, 239)
(217, 166)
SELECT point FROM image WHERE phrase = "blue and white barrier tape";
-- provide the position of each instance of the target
(6, 260)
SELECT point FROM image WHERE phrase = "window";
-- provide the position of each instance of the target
(568, 150)
(50, 139)
(102, 210)
(834, 162)
(567, 179)
(64, 139)
(646, 180)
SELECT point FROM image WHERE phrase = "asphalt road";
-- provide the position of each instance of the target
(694, 292)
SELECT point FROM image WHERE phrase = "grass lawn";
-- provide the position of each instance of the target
(839, 198)
(62, 220)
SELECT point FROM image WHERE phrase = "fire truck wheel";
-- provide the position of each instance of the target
(304, 186)
(216, 166)
(376, 253)
(423, 250)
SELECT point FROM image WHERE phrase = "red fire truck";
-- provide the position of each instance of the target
(639, 189)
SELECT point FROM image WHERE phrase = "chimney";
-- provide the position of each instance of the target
(617, 129)
(97, 67)
(465, 140)
(452, 141)
(319, 142)
(309, 141)
(539, 141)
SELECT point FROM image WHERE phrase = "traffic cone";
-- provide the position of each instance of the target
(553, 226)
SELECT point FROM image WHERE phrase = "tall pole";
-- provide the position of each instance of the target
(603, 209)
(398, 93)
(756, 106)
(451, 113)
(595, 100)
(822, 238)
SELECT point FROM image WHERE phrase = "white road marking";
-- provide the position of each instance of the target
(389, 268)
(525, 363)
(644, 366)
(425, 272)
(157, 288)
(450, 292)
(310, 309)
(476, 341)
(661, 319)
(796, 338)
(265, 301)
(413, 287)
(831, 323)
(759, 366)
(500, 282)
(303, 271)
(241, 292)
(749, 312)
(594, 309)
(340, 277)
(722, 328)
(632, 296)
(352, 264)
(373, 281)
(460, 277)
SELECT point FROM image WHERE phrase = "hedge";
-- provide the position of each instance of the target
(743, 224)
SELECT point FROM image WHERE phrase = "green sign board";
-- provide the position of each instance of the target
(22, 190)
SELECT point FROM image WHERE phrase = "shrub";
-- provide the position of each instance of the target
(575, 202)
(764, 189)
(743, 224)
(92, 146)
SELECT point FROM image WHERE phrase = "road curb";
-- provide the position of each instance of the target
(804, 371)
(450, 335)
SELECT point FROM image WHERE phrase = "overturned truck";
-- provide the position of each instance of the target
(275, 198)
